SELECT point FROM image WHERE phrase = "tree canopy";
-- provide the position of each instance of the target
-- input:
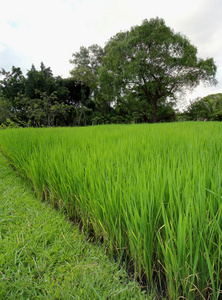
(155, 64)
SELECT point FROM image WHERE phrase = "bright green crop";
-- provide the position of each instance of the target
(151, 193)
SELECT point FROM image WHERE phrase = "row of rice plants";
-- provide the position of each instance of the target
(152, 193)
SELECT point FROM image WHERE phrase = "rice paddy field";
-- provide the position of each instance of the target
(150, 193)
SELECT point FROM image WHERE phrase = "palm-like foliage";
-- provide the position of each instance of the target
(209, 107)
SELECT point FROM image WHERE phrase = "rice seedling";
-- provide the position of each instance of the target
(151, 193)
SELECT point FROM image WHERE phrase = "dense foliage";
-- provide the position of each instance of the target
(208, 108)
(152, 64)
(136, 77)
(40, 99)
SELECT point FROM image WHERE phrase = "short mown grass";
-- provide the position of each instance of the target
(43, 256)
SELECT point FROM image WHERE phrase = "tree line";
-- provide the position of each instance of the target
(40, 99)
(136, 77)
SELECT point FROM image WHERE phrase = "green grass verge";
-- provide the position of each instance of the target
(43, 256)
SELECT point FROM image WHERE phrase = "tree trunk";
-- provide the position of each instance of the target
(84, 115)
(154, 112)
(165, 116)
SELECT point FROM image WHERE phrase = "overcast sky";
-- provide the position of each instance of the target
(32, 31)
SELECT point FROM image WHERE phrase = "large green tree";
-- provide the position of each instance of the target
(156, 64)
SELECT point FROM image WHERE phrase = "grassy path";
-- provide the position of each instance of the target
(43, 256)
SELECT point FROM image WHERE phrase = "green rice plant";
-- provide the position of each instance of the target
(43, 256)
(151, 193)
